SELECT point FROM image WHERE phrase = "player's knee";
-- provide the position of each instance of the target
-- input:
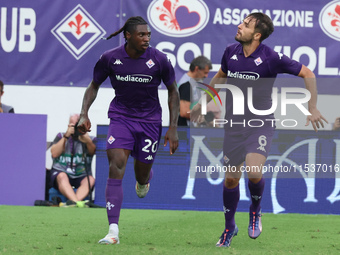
(117, 161)
(117, 168)
(116, 172)
(254, 177)
(231, 182)
(117, 164)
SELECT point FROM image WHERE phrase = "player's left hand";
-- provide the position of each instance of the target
(171, 136)
(316, 119)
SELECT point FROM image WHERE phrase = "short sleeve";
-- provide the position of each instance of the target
(184, 91)
(224, 64)
(168, 73)
(280, 63)
(101, 69)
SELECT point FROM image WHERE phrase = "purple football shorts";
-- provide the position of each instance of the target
(141, 138)
(237, 145)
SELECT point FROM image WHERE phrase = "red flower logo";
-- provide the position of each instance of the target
(335, 16)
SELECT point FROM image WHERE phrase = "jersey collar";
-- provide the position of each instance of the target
(125, 55)
(255, 54)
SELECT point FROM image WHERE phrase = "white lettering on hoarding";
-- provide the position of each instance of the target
(335, 195)
(308, 177)
(281, 18)
(24, 33)
(177, 53)
(169, 48)
(313, 58)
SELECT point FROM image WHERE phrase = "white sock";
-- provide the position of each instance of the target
(113, 229)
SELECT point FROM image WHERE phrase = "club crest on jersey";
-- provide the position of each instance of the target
(150, 63)
(258, 61)
(111, 139)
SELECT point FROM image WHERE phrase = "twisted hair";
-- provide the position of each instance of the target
(129, 26)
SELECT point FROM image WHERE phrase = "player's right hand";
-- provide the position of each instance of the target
(84, 125)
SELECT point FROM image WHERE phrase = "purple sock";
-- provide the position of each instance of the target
(114, 199)
(256, 191)
(230, 202)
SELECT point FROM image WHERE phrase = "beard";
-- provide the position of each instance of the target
(243, 41)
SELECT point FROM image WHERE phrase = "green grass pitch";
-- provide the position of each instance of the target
(53, 230)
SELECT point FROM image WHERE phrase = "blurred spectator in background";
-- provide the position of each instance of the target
(72, 157)
(189, 94)
(4, 108)
(336, 124)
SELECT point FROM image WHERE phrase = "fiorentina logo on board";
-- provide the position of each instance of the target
(329, 19)
(78, 31)
(178, 18)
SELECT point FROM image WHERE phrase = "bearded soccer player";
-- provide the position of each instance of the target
(246, 144)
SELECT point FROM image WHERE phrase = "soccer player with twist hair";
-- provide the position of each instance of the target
(135, 70)
(244, 143)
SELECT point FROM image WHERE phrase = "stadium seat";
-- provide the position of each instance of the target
(52, 192)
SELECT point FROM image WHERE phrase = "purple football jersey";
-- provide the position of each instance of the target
(135, 82)
(257, 71)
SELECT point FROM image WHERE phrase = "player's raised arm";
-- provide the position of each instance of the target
(173, 102)
(90, 95)
(310, 82)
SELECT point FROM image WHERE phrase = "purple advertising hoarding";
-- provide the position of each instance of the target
(57, 44)
(180, 181)
(22, 158)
